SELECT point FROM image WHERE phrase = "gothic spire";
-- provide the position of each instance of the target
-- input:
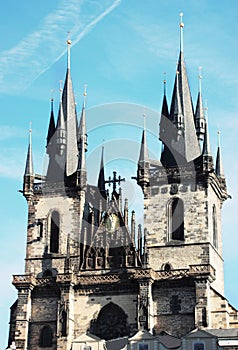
(199, 114)
(219, 165)
(181, 112)
(144, 156)
(101, 176)
(51, 129)
(29, 170)
(206, 151)
(82, 146)
(69, 111)
(82, 130)
(165, 123)
(143, 162)
(61, 128)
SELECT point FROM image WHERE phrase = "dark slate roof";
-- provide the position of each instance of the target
(116, 344)
(224, 333)
(169, 341)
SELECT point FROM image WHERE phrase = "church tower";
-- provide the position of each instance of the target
(89, 268)
(183, 197)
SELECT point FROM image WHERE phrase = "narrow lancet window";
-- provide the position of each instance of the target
(214, 226)
(54, 232)
(176, 219)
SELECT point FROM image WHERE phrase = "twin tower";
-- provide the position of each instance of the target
(88, 269)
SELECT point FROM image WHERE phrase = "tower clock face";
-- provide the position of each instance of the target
(112, 222)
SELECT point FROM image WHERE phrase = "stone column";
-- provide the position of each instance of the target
(145, 305)
(24, 285)
(202, 308)
(66, 304)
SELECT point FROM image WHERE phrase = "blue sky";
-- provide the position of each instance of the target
(121, 50)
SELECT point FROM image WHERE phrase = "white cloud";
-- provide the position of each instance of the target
(32, 56)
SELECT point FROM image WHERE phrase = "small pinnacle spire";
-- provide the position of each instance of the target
(199, 113)
(51, 129)
(29, 170)
(206, 143)
(144, 156)
(101, 176)
(69, 42)
(82, 132)
(219, 165)
(181, 25)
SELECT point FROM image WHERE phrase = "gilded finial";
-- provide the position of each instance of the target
(181, 25)
(200, 78)
(164, 83)
(219, 138)
(52, 93)
(30, 132)
(144, 116)
(181, 20)
(69, 42)
(84, 95)
(68, 50)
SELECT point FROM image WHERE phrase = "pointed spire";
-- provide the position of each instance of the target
(176, 105)
(29, 170)
(144, 155)
(165, 109)
(69, 111)
(82, 146)
(206, 143)
(82, 130)
(61, 127)
(133, 226)
(199, 114)
(219, 165)
(51, 129)
(181, 112)
(101, 176)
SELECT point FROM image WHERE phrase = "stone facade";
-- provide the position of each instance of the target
(88, 270)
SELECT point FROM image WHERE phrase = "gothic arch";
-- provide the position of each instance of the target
(111, 323)
(214, 226)
(176, 219)
(46, 337)
(54, 231)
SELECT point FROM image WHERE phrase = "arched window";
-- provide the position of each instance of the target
(111, 323)
(54, 232)
(64, 323)
(167, 267)
(46, 337)
(176, 219)
(214, 226)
